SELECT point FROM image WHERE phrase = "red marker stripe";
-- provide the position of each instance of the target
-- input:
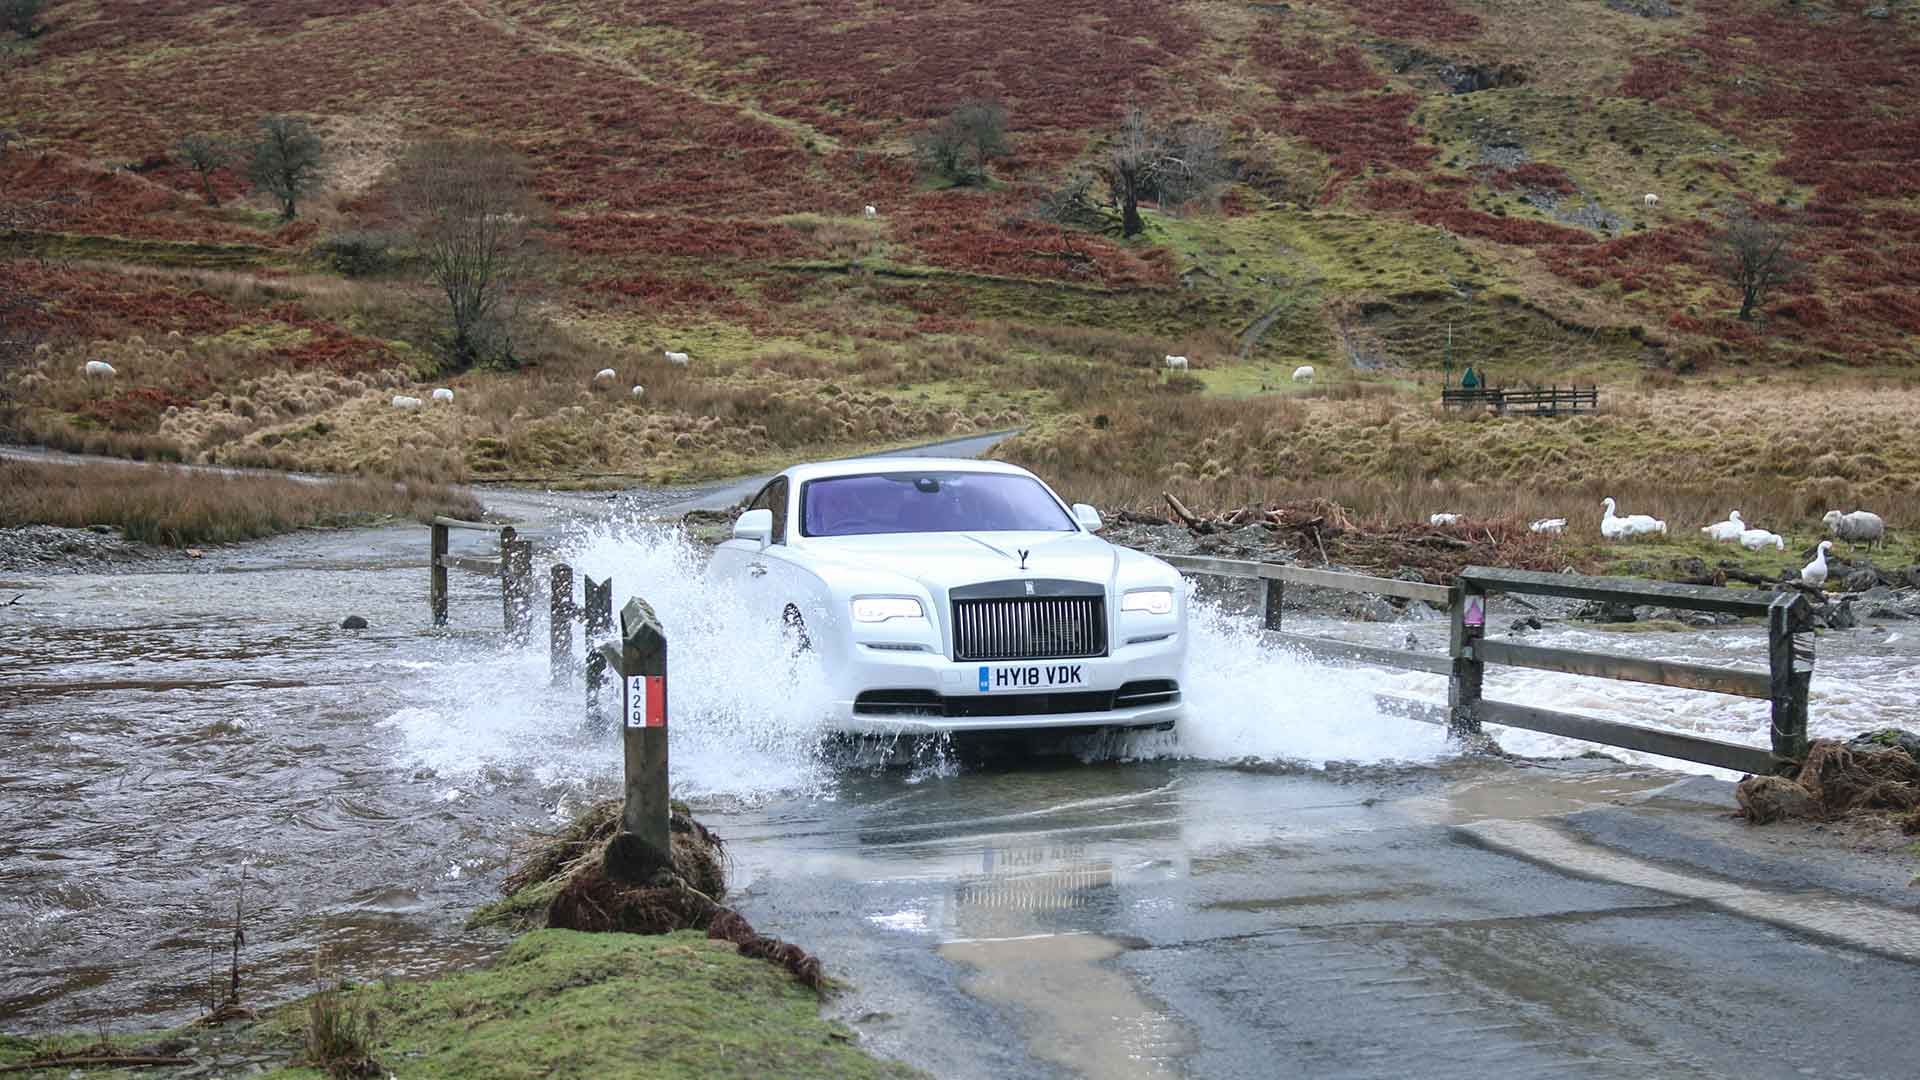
(656, 701)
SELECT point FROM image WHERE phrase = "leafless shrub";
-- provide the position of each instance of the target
(471, 208)
(1756, 257)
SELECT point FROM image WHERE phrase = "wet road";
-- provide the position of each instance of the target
(1185, 920)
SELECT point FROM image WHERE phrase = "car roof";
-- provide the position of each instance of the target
(868, 465)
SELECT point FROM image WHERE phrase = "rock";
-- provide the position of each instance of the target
(1880, 11)
(1771, 798)
(103, 530)
(195, 553)
(1611, 611)
(1520, 626)
(1841, 617)
(1887, 739)
(1368, 609)
(353, 622)
(1888, 611)
(1877, 593)
(1861, 580)
(1646, 9)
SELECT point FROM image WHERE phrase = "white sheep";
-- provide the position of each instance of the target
(639, 391)
(605, 375)
(1755, 539)
(1553, 526)
(441, 393)
(1815, 572)
(1177, 363)
(1652, 200)
(1303, 373)
(1620, 528)
(1443, 519)
(402, 401)
(97, 369)
(676, 358)
(871, 211)
(1861, 526)
(1727, 530)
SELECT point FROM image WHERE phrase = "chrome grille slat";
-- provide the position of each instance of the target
(1030, 628)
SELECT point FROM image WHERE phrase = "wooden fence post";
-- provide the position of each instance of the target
(437, 583)
(596, 679)
(1273, 596)
(516, 586)
(1468, 609)
(644, 843)
(560, 623)
(1790, 678)
(599, 608)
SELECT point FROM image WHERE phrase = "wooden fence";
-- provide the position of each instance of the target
(1785, 685)
(512, 564)
(1534, 401)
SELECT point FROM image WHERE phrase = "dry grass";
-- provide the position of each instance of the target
(1780, 454)
(162, 505)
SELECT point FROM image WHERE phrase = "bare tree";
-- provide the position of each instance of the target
(286, 161)
(1175, 164)
(1756, 257)
(472, 209)
(205, 155)
(962, 144)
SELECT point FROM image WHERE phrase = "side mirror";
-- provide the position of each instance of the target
(755, 525)
(1088, 517)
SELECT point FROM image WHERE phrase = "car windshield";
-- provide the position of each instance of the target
(912, 502)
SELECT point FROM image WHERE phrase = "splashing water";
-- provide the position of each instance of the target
(750, 715)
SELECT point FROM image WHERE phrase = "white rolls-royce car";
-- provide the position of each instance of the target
(958, 596)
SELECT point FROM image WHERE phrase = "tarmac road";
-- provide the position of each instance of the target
(1154, 919)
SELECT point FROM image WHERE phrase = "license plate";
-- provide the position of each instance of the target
(1030, 678)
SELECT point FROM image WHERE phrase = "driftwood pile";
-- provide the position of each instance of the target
(1324, 531)
(1836, 781)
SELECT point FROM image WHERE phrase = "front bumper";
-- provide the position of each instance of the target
(885, 691)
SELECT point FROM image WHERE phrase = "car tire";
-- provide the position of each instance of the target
(794, 625)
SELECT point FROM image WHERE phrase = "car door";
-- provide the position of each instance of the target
(766, 575)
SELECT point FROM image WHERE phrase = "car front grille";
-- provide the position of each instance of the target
(1030, 628)
(928, 703)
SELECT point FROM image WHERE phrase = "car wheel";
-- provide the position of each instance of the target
(795, 626)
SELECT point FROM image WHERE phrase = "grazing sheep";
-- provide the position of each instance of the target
(871, 211)
(1548, 525)
(442, 394)
(1620, 528)
(97, 369)
(1755, 539)
(1177, 363)
(605, 375)
(1815, 572)
(1727, 530)
(402, 401)
(639, 391)
(1860, 527)
(677, 358)
(1652, 200)
(1303, 373)
(1443, 519)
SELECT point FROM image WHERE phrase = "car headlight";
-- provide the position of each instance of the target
(872, 609)
(1149, 601)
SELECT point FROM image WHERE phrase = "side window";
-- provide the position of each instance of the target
(776, 494)
(774, 497)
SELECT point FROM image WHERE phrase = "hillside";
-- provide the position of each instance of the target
(703, 166)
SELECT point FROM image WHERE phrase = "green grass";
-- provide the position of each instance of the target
(560, 1003)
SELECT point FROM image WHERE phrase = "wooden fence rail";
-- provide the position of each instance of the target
(513, 565)
(1786, 683)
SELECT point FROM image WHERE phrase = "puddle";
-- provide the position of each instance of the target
(1075, 1010)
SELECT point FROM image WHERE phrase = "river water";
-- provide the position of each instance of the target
(182, 743)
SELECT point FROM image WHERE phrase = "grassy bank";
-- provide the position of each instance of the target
(1783, 454)
(177, 508)
(558, 1003)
